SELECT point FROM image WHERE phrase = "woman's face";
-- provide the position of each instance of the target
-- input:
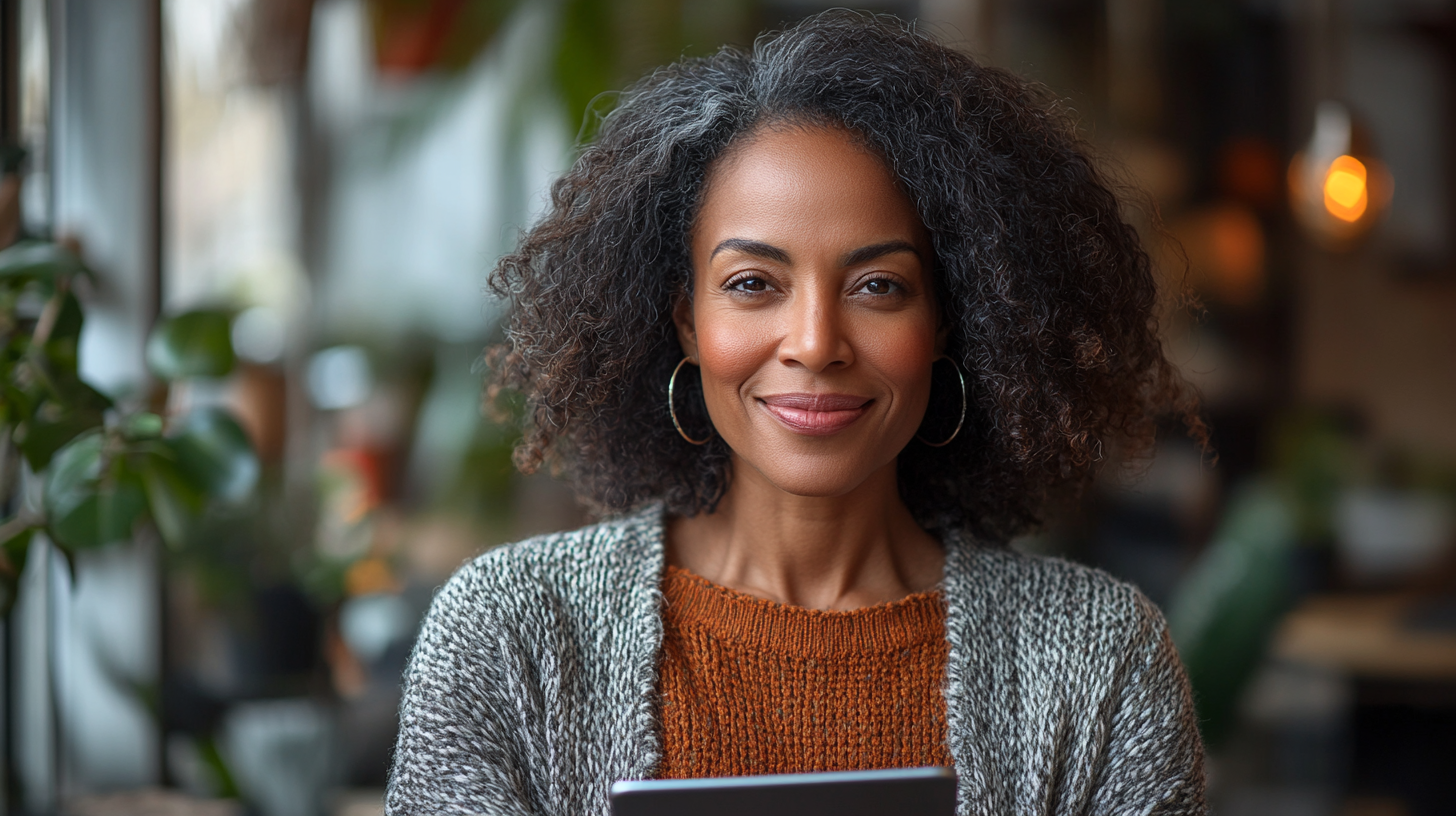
(813, 316)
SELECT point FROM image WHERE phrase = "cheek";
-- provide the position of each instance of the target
(730, 349)
(903, 354)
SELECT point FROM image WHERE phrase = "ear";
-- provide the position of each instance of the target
(687, 333)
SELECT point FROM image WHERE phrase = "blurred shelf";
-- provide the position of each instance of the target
(1366, 636)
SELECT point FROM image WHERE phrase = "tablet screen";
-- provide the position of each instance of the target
(927, 791)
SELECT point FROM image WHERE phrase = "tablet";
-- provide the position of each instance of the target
(922, 791)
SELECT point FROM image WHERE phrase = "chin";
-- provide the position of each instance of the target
(816, 476)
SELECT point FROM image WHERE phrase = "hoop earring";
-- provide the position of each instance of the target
(671, 409)
(962, 420)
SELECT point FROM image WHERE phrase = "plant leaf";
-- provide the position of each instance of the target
(192, 344)
(175, 502)
(40, 437)
(15, 405)
(227, 787)
(214, 452)
(90, 502)
(141, 426)
(61, 349)
(68, 555)
(73, 474)
(41, 261)
(14, 549)
(69, 320)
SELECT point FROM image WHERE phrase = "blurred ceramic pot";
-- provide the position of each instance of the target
(1385, 535)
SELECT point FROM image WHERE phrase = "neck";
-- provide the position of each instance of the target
(822, 552)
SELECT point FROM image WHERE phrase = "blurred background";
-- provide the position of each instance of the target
(244, 311)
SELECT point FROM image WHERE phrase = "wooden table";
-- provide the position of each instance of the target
(1403, 684)
(1365, 636)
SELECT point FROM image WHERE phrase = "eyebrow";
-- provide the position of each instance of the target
(773, 253)
(873, 251)
(756, 248)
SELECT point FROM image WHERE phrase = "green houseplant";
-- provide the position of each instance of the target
(80, 468)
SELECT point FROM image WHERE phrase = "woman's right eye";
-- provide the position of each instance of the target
(749, 285)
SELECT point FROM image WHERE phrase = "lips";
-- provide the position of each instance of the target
(816, 414)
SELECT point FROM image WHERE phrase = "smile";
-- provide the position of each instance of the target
(816, 414)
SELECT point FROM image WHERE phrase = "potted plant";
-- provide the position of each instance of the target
(81, 470)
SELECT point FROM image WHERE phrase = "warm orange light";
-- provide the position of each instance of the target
(1346, 189)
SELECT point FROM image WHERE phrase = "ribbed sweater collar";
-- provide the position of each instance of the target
(774, 627)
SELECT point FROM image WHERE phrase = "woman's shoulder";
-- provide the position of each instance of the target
(599, 565)
(1047, 589)
(1074, 663)
(613, 542)
(1055, 628)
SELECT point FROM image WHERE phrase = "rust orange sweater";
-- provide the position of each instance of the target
(749, 686)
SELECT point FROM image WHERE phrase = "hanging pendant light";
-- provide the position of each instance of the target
(1337, 187)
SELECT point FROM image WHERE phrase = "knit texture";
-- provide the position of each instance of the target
(534, 684)
(749, 686)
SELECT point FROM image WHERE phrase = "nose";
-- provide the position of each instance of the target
(815, 336)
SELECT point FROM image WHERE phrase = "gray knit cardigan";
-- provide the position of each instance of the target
(533, 684)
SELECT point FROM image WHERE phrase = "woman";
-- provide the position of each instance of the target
(822, 325)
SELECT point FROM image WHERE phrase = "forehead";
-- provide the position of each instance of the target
(796, 183)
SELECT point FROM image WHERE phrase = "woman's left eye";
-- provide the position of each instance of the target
(880, 286)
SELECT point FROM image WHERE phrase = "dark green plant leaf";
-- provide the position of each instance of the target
(61, 349)
(49, 411)
(15, 547)
(70, 319)
(79, 463)
(322, 578)
(41, 261)
(15, 405)
(192, 344)
(9, 593)
(78, 395)
(175, 502)
(213, 451)
(40, 437)
(90, 501)
(14, 550)
(222, 775)
(68, 555)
